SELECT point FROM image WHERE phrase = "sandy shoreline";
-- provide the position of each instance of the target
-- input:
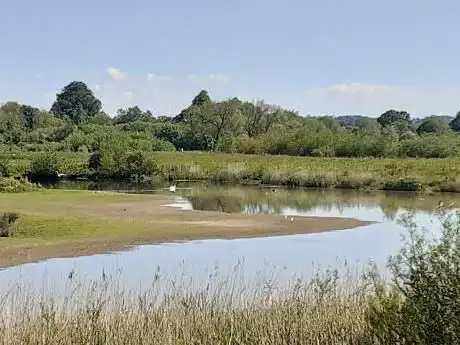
(85, 223)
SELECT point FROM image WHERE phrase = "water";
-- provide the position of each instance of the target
(281, 258)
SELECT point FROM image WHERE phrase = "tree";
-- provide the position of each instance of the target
(259, 117)
(199, 101)
(202, 99)
(455, 123)
(77, 102)
(102, 119)
(218, 119)
(30, 117)
(432, 125)
(132, 114)
(391, 116)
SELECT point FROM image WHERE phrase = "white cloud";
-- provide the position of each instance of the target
(374, 99)
(115, 73)
(219, 78)
(167, 95)
(162, 94)
(214, 78)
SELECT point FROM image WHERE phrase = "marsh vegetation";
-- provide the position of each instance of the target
(228, 141)
(417, 305)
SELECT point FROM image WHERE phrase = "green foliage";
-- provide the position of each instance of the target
(202, 99)
(422, 306)
(389, 117)
(4, 167)
(7, 219)
(100, 118)
(12, 185)
(76, 141)
(432, 125)
(30, 117)
(111, 163)
(77, 124)
(95, 161)
(455, 123)
(405, 184)
(77, 102)
(131, 115)
(44, 167)
(61, 133)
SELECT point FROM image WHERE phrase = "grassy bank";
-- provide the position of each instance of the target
(68, 223)
(387, 174)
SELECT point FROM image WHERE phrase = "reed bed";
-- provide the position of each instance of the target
(323, 310)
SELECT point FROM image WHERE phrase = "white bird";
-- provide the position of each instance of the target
(292, 219)
(172, 188)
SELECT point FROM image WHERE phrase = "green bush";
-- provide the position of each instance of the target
(7, 219)
(4, 168)
(95, 161)
(11, 185)
(405, 184)
(44, 167)
(422, 304)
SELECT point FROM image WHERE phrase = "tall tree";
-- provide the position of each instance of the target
(219, 119)
(202, 99)
(77, 102)
(30, 117)
(391, 116)
(455, 123)
(10, 116)
(259, 117)
(199, 101)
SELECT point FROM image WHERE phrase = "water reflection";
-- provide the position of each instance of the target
(291, 256)
(305, 201)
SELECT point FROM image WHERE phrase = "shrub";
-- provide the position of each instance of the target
(44, 168)
(11, 185)
(95, 161)
(138, 163)
(422, 305)
(407, 184)
(6, 221)
(4, 169)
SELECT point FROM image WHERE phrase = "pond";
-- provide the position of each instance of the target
(279, 258)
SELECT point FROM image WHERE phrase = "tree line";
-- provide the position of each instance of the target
(77, 122)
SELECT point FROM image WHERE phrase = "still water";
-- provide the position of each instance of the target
(280, 258)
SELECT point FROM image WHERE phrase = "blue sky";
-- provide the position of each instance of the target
(317, 57)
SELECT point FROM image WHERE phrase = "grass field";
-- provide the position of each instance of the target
(389, 174)
(68, 223)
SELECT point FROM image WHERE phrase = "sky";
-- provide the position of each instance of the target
(319, 57)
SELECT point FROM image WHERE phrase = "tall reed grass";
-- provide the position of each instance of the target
(324, 310)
